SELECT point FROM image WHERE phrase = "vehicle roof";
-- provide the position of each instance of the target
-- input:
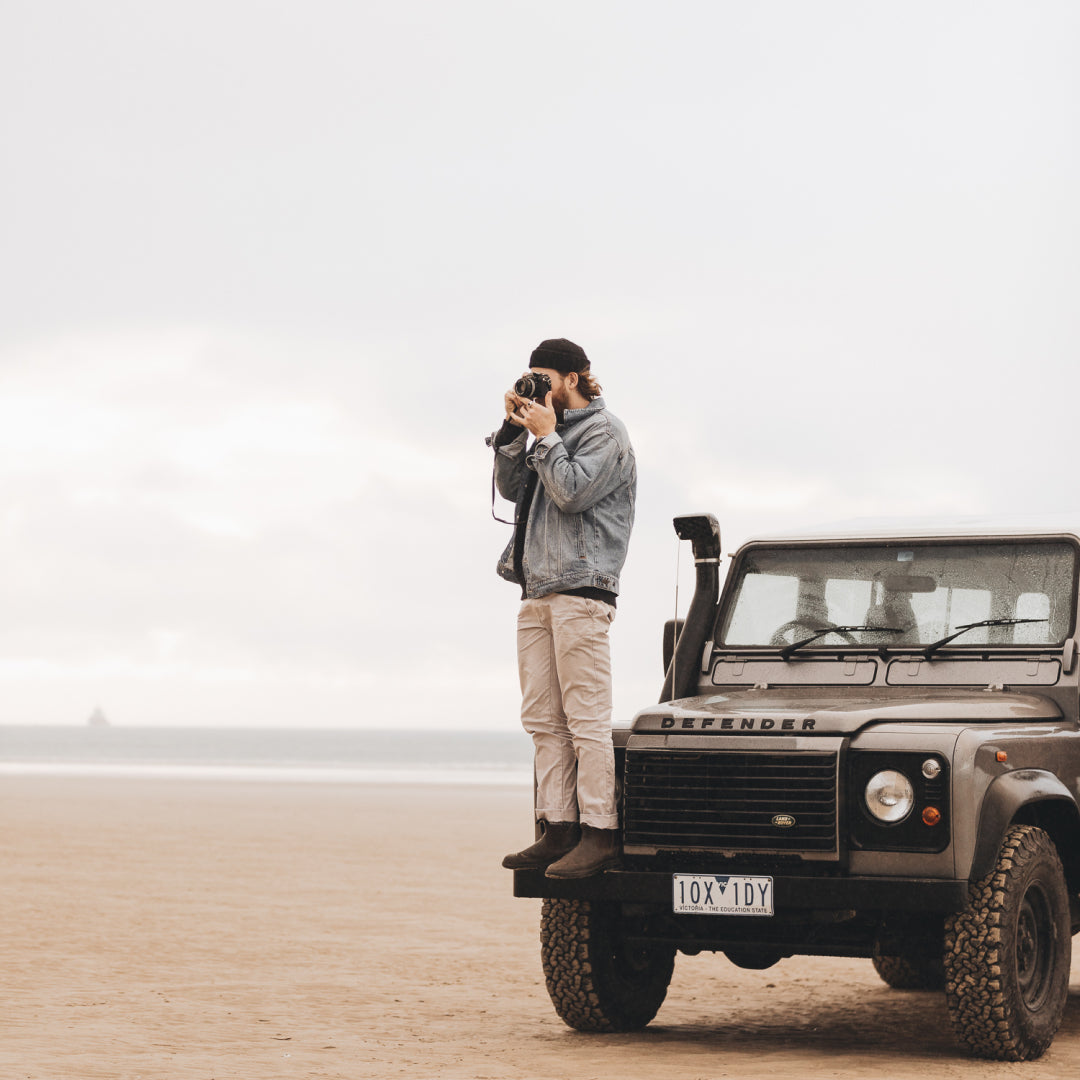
(901, 528)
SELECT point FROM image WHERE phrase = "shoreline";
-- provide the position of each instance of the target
(272, 774)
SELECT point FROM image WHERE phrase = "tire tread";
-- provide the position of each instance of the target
(576, 950)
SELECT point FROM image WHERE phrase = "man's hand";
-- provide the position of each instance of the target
(512, 400)
(538, 418)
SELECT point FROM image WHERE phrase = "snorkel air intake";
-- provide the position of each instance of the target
(703, 531)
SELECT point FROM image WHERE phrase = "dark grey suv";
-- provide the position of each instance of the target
(868, 745)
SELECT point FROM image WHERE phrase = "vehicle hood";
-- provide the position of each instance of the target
(819, 711)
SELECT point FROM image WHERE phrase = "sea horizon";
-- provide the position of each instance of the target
(267, 754)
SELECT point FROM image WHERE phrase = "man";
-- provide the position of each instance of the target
(574, 490)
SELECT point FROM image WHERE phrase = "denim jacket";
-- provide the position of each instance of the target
(582, 511)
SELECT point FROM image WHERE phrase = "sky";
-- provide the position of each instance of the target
(266, 270)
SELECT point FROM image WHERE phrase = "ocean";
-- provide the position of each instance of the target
(343, 756)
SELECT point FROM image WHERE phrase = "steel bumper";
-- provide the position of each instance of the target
(791, 892)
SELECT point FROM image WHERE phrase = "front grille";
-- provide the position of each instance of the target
(729, 800)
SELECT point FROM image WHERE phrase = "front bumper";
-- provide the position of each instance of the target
(792, 893)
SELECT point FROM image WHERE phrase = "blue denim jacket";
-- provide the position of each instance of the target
(583, 508)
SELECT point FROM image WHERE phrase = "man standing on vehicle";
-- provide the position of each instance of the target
(574, 490)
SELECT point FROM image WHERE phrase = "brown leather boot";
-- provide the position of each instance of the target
(559, 837)
(598, 850)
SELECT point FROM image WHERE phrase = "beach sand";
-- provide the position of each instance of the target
(186, 930)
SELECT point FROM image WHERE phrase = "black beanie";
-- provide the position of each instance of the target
(559, 355)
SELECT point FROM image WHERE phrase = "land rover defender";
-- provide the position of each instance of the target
(868, 746)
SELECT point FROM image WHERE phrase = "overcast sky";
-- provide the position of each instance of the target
(266, 270)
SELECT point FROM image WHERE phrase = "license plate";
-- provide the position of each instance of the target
(721, 894)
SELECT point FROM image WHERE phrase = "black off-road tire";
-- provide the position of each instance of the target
(597, 982)
(1007, 957)
(911, 972)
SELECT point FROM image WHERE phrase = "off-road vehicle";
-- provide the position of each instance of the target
(867, 746)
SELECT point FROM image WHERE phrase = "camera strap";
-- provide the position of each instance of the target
(493, 514)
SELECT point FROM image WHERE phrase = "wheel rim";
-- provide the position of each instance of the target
(1034, 947)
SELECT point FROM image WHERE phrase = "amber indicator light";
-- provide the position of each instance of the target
(1002, 756)
(931, 815)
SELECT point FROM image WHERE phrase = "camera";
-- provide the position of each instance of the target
(535, 385)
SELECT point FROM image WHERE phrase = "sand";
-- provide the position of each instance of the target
(178, 929)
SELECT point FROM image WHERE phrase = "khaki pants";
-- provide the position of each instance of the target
(564, 662)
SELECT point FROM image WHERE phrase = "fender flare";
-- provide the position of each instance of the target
(1004, 798)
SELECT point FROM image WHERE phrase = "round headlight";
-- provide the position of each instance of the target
(890, 796)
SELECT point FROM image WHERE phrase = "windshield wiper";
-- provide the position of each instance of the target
(787, 650)
(933, 648)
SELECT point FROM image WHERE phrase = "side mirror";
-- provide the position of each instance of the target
(672, 629)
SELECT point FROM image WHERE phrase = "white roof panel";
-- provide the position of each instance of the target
(899, 528)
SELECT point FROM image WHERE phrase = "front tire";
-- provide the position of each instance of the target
(1007, 957)
(597, 980)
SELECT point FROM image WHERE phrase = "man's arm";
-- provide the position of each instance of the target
(510, 463)
(509, 444)
(576, 482)
(573, 482)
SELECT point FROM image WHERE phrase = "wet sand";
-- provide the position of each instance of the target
(185, 930)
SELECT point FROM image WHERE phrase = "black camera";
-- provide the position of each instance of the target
(535, 385)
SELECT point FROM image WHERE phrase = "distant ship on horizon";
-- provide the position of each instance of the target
(98, 718)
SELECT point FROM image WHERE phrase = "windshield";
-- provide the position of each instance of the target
(924, 591)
